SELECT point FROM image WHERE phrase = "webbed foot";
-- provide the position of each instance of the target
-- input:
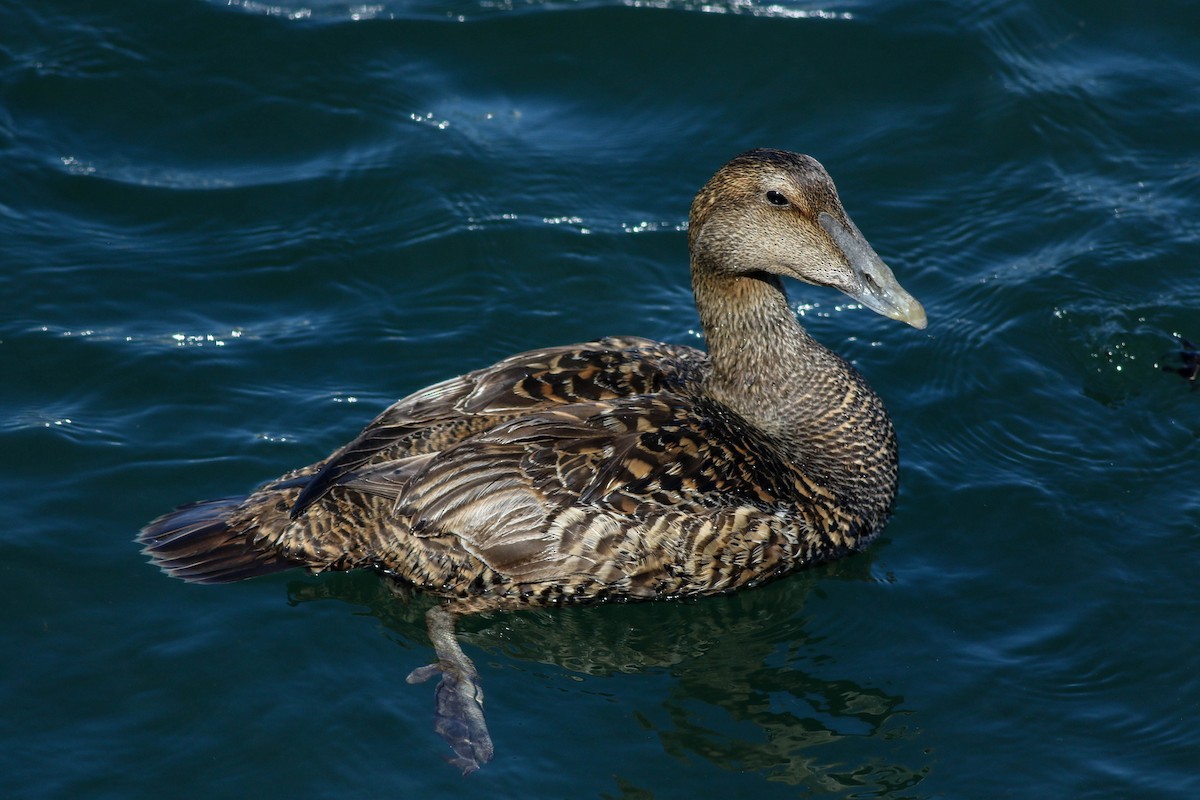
(459, 716)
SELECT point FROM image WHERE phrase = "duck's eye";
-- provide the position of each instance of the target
(776, 199)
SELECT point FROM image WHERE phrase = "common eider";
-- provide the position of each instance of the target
(617, 469)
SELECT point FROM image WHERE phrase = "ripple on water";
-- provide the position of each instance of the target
(218, 248)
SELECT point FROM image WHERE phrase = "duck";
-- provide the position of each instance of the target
(620, 469)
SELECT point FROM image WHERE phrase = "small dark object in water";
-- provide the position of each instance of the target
(1190, 356)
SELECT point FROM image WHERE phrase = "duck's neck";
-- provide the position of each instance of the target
(767, 369)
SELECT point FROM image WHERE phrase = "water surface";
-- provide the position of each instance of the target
(232, 232)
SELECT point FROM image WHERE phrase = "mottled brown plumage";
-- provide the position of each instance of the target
(620, 469)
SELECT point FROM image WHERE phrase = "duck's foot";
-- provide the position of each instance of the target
(459, 716)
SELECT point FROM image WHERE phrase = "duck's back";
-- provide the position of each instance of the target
(444, 414)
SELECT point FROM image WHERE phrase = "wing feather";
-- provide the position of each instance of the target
(453, 410)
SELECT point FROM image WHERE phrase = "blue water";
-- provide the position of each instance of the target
(232, 232)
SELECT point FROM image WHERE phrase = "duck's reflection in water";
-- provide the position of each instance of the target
(749, 691)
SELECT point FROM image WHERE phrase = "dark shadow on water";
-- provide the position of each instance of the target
(750, 690)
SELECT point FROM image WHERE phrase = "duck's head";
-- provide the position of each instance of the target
(775, 212)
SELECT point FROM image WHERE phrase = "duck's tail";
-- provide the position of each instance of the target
(197, 543)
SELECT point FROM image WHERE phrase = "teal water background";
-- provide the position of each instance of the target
(232, 232)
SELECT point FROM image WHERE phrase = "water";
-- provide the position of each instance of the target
(230, 233)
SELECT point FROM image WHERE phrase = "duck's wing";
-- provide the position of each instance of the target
(587, 495)
(448, 412)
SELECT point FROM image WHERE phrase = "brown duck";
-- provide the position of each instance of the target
(619, 469)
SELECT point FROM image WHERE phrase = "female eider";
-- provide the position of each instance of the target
(619, 469)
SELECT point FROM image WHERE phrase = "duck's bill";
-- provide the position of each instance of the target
(874, 285)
